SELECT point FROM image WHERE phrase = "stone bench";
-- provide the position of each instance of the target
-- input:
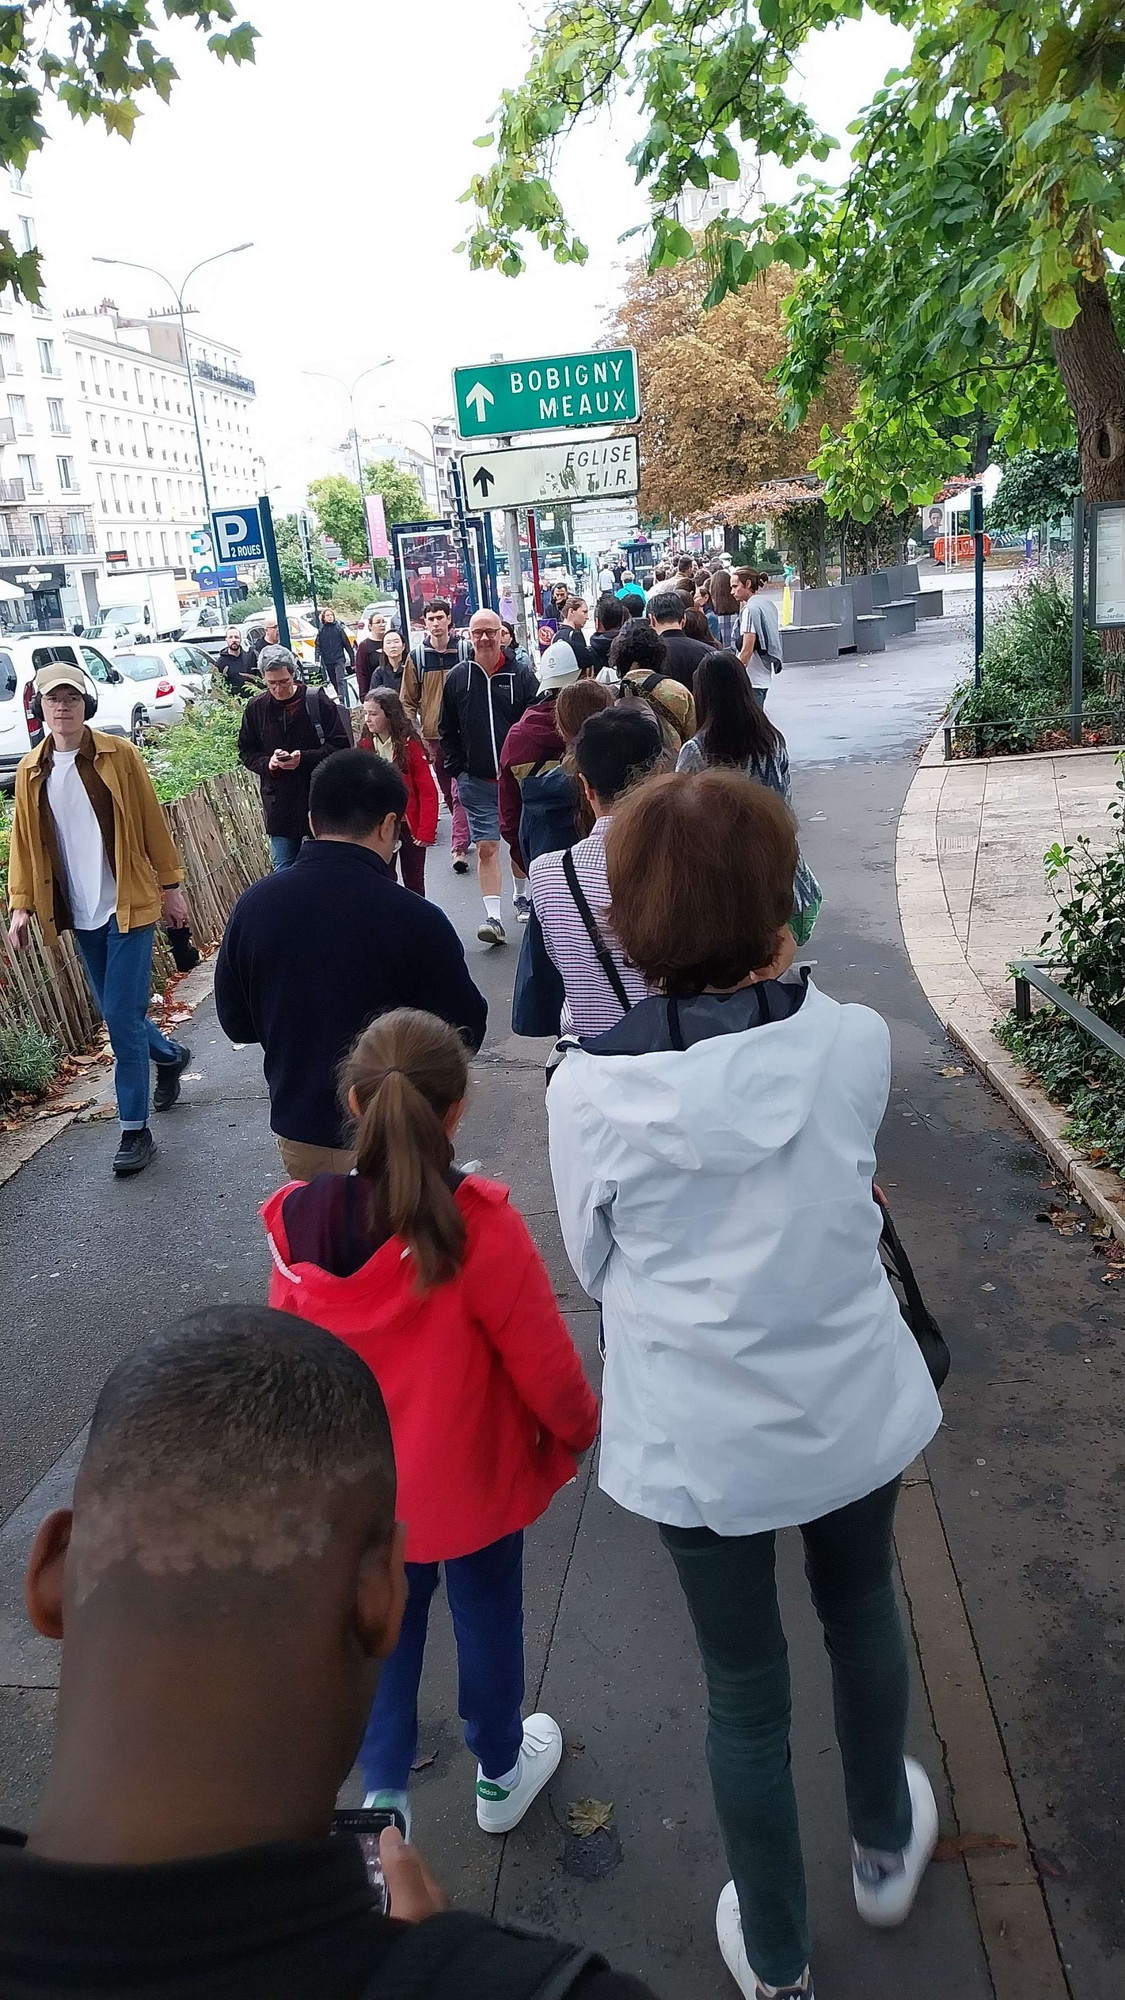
(870, 632)
(809, 645)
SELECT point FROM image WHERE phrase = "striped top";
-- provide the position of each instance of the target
(590, 1005)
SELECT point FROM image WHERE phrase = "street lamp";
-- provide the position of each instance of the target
(350, 394)
(178, 294)
(433, 448)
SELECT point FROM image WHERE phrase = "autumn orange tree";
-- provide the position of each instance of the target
(712, 423)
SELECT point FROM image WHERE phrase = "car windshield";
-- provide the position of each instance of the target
(119, 614)
(142, 666)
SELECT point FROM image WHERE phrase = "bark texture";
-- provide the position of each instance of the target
(1092, 365)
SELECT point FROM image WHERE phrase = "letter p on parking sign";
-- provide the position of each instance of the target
(238, 535)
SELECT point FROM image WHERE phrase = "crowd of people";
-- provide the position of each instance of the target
(240, 1617)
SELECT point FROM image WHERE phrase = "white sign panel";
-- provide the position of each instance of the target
(533, 477)
(1107, 567)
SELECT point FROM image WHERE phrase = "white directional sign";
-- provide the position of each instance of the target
(546, 472)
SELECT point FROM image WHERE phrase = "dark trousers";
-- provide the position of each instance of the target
(731, 1593)
(485, 1592)
(412, 862)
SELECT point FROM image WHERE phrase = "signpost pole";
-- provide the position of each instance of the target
(490, 559)
(306, 550)
(265, 515)
(1077, 618)
(976, 529)
(533, 548)
(463, 532)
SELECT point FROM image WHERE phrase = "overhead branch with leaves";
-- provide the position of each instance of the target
(965, 268)
(99, 59)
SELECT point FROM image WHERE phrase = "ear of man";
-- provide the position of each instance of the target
(46, 1573)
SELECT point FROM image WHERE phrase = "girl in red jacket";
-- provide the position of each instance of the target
(387, 731)
(433, 1278)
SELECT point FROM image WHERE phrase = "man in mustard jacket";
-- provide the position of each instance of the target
(91, 853)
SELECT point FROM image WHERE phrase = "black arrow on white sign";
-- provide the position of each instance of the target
(485, 479)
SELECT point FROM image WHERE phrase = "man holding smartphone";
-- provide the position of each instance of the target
(224, 1588)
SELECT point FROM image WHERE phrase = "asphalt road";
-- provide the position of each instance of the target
(1028, 1467)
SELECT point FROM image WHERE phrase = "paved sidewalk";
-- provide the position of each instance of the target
(971, 886)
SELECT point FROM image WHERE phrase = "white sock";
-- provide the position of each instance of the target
(519, 888)
(492, 907)
(508, 1781)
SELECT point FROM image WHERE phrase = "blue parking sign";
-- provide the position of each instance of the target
(238, 535)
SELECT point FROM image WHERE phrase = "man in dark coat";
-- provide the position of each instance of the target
(311, 955)
(286, 732)
(334, 652)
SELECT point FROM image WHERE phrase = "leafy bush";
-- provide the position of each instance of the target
(204, 745)
(1024, 695)
(1086, 942)
(29, 1059)
(1035, 486)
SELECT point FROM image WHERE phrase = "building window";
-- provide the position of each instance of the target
(41, 529)
(56, 417)
(66, 474)
(15, 177)
(9, 358)
(46, 357)
(116, 496)
(17, 410)
(27, 233)
(29, 472)
(77, 529)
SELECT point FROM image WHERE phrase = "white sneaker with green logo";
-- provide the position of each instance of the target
(501, 1807)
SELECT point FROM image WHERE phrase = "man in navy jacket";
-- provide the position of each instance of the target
(313, 953)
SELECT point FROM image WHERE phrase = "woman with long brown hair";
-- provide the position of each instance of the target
(388, 731)
(725, 604)
(432, 1276)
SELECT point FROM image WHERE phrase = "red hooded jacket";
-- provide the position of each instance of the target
(486, 1395)
(421, 790)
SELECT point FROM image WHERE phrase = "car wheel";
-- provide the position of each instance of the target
(138, 725)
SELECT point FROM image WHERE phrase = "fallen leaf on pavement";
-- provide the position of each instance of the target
(574, 1748)
(588, 1816)
(1065, 1220)
(423, 1763)
(951, 1069)
(957, 1844)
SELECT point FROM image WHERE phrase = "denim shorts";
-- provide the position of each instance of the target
(481, 800)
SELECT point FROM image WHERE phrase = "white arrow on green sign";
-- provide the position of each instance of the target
(556, 392)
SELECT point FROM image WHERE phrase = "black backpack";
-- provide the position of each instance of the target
(458, 1956)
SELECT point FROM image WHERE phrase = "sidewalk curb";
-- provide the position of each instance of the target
(1015, 1924)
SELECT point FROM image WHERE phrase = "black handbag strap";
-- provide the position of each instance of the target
(596, 939)
(919, 1311)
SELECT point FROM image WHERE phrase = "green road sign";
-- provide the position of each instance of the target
(558, 392)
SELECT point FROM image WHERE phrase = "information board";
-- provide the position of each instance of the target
(1107, 563)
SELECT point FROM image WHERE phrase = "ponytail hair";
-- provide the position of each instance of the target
(407, 1070)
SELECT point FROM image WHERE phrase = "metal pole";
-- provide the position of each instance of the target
(533, 550)
(976, 529)
(490, 559)
(363, 497)
(1078, 618)
(198, 432)
(515, 562)
(306, 546)
(265, 515)
(462, 529)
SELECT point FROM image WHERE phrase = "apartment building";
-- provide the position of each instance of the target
(48, 546)
(136, 434)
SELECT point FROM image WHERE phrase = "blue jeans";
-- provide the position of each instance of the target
(284, 850)
(119, 968)
(729, 1585)
(485, 1592)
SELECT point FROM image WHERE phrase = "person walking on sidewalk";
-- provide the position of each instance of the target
(334, 653)
(369, 653)
(432, 1276)
(285, 733)
(237, 665)
(423, 684)
(757, 1377)
(392, 665)
(482, 699)
(387, 732)
(311, 954)
(91, 852)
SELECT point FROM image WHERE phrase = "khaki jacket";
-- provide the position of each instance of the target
(423, 687)
(143, 857)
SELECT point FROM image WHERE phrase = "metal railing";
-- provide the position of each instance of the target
(1107, 716)
(1029, 972)
(11, 492)
(7, 430)
(207, 372)
(47, 545)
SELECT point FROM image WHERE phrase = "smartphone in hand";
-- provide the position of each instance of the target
(365, 1824)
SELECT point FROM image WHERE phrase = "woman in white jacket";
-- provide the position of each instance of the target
(713, 1157)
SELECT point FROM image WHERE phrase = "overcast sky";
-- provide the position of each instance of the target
(342, 153)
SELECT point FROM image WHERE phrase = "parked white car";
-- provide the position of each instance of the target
(122, 706)
(167, 678)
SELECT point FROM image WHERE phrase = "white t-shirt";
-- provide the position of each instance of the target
(90, 886)
(605, 579)
(760, 617)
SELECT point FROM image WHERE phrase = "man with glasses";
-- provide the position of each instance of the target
(286, 732)
(483, 697)
(423, 684)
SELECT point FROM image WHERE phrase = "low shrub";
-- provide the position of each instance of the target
(29, 1060)
(204, 745)
(1078, 1074)
(1024, 695)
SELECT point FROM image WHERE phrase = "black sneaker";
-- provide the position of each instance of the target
(134, 1152)
(168, 1076)
(460, 863)
(492, 931)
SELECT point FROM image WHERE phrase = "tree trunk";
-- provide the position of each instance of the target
(1092, 365)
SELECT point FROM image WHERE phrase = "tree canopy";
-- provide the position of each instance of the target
(711, 423)
(963, 270)
(339, 504)
(98, 58)
(1036, 486)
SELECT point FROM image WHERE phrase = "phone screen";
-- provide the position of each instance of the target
(365, 1824)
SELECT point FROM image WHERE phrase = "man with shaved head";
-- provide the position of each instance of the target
(483, 697)
(224, 1588)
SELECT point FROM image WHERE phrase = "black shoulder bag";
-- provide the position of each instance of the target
(911, 1304)
(601, 949)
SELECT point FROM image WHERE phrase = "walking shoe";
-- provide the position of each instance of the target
(522, 907)
(501, 1807)
(492, 931)
(460, 862)
(168, 1076)
(728, 1929)
(886, 1884)
(389, 1801)
(134, 1152)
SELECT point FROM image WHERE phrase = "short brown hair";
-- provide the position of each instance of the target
(701, 868)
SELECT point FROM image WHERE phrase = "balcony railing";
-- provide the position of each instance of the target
(60, 430)
(7, 431)
(11, 492)
(207, 372)
(47, 545)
